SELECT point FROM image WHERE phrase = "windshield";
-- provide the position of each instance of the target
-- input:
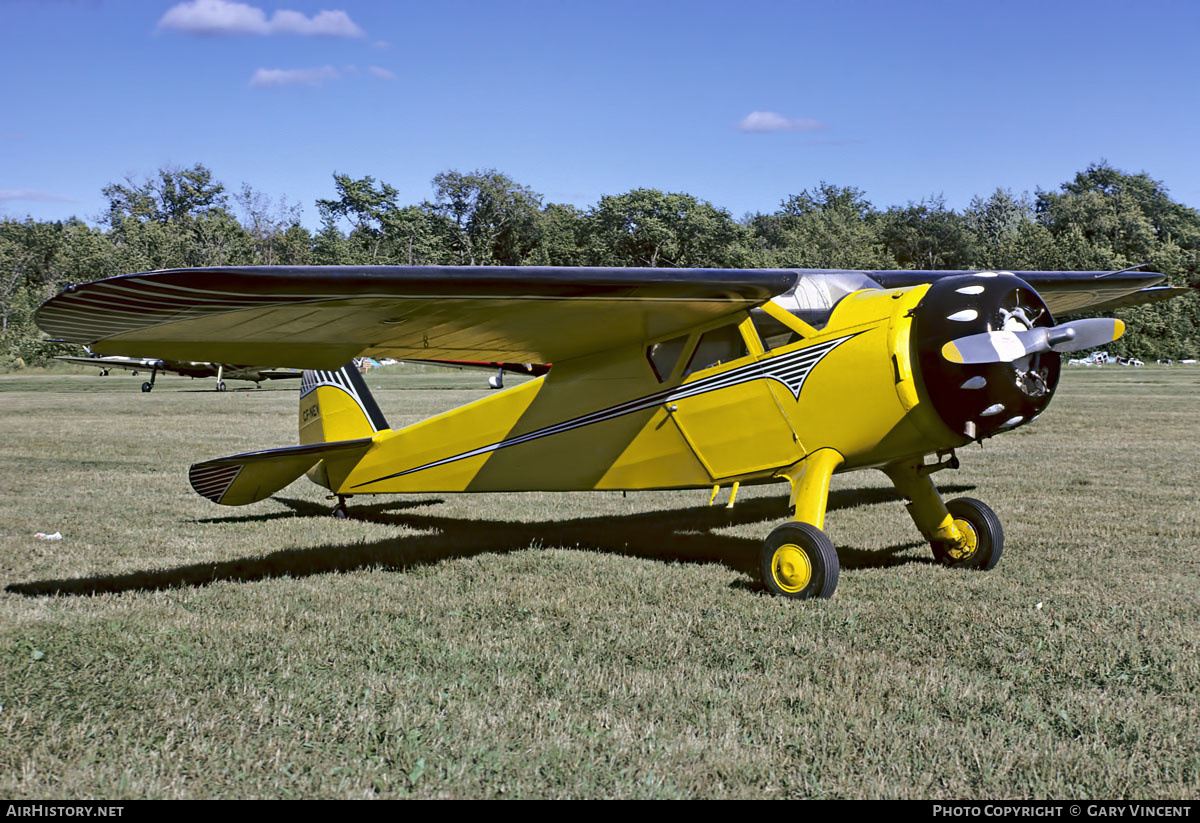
(812, 300)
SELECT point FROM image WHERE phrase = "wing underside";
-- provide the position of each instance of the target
(320, 317)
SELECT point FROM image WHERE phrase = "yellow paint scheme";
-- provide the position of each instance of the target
(861, 401)
(951, 353)
(791, 568)
(328, 413)
(970, 541)
(810, 480)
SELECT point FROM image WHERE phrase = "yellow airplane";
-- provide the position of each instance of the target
(661, 379)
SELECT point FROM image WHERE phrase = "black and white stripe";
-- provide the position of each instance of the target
(791, 370)
(348, 379)
(212, 480)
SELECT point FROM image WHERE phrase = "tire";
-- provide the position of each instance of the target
(799, 561)
(147, 386)
(221, 386)
(981, 524)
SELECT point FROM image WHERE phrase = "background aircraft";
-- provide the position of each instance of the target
(496, 381)
(187, 368)
(662, 379)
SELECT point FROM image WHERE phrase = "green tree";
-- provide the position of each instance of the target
(366, 207)
(269, 225)
(828, 227)
(563, 233)
(491, 220)
(646, 227)
(928, 235)
(170, 194)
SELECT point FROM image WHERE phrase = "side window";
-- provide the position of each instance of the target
(715, 347)
(663, 356)
(772, 333)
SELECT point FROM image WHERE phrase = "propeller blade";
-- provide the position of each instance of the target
(1086, 334)
(1007, 346)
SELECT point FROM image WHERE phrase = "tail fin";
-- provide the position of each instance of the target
(336, 405)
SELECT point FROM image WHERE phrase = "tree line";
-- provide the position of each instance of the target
(1103, 219)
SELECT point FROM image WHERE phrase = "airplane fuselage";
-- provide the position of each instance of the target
(619, 420)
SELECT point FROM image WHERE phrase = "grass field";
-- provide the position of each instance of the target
(587, 645)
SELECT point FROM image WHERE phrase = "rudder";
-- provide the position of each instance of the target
(336, 405)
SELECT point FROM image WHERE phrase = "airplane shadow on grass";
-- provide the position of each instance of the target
(682, 535)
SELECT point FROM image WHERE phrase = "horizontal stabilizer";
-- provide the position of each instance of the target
(247, 478)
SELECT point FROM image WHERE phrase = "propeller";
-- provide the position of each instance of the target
(1007, 346)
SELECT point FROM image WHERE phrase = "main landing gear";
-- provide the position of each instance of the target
(340, 511)
(963, 533)
(799, 561)
(149, 384)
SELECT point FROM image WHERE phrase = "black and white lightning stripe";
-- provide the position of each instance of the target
(350, 381)
(310, 380)
(791, 370)
(212, 480)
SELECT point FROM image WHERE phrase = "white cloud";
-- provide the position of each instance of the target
(381, 73)
(30, 194)
(773, 121)
(218, 17)
(294, 77)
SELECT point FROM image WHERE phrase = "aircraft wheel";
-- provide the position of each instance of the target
(985, 536)
(147, 386)
(221, 386)
(798, 561)
(340, 512)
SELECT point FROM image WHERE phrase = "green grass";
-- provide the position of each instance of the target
(586, 645)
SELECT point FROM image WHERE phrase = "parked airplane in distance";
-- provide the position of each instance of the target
(186, 368)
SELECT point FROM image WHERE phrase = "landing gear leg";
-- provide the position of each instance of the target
(964, 532)
(149, 384)
(220, 372)
(798, 559)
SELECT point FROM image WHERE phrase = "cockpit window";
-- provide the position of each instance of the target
(663, 356)
(772, 332)
(814, 296)
(715, 347)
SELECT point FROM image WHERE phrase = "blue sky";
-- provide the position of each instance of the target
(738, 103)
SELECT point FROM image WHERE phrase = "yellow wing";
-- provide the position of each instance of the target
(320, 317)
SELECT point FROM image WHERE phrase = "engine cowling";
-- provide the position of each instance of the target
(983, 399)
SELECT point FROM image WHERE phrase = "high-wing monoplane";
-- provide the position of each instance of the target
(662, 379)
(186, 368)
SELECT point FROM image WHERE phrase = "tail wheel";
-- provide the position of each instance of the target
(985, 536)
(798, 561)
